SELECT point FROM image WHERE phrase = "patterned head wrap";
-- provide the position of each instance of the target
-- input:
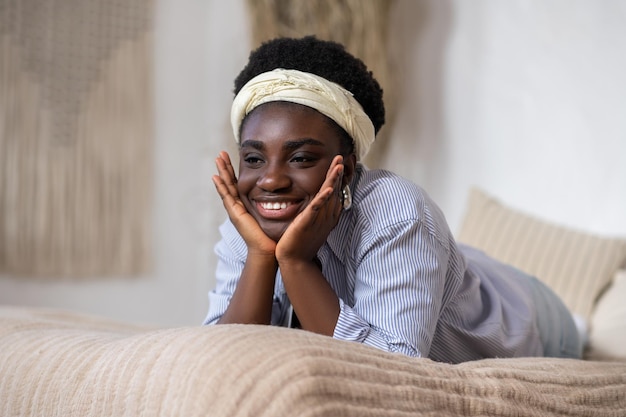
(330, 99)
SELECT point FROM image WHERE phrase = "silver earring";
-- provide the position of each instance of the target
(346, 198)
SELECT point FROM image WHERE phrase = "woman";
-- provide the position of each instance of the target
(316, 240)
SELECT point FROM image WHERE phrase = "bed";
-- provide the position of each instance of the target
(63, 363)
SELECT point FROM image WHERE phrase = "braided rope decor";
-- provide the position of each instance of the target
(75, 137)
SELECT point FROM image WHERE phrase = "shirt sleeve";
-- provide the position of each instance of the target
(231, 254)
(398, 293)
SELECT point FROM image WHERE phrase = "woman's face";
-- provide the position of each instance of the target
(286, 150)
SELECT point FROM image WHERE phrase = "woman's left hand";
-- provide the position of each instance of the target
(309, 230)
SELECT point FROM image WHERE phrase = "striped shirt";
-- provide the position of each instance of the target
(404, 285)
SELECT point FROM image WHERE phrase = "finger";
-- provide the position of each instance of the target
(338, 201)
(225, 167)
(332, 184)
(336, 166)
(226, 172)
(322, 198)
(324, 210)
(334, 173)
(337, 160)
(233, 205)
(229, 166)
(330, 192)
(222, 189)
(226, 181)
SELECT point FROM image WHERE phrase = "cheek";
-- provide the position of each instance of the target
(311, 181)
(246, 179)
(245, 183)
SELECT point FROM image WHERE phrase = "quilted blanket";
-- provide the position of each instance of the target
(55, 363)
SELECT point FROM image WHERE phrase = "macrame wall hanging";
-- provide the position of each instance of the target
(75, 137)
(360, 25)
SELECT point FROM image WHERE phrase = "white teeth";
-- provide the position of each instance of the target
(274, 206)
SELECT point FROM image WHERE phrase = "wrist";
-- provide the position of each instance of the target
(262, 259)
(262, 249)
(297, 266)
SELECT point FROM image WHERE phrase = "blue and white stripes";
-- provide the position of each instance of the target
(403, 282)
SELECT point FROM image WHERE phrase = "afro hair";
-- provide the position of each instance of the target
(326, 59)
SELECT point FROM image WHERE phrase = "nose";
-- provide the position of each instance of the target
(274, 178)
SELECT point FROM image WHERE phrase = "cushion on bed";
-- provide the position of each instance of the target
(575, 264)
(608, 322)
(55, 364)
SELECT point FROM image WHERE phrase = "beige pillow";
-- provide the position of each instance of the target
(607, 339)
(575, 264)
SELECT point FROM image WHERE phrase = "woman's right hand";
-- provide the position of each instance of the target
(226, 184)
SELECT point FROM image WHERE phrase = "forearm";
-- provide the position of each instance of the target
(313, 299)
(252, 300)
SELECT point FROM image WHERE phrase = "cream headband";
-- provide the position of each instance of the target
(330, 99)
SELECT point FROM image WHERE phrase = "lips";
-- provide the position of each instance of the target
(274, 205)
(277, 210)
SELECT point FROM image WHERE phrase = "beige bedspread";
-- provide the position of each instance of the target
(54, 363)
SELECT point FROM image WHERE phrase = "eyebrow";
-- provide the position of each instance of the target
(288, 145)
(295, 144)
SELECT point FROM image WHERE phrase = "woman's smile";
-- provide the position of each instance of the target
(278, 210)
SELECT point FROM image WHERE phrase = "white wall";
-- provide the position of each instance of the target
(525, 98)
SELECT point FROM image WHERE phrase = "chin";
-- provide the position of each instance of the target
(275, 232)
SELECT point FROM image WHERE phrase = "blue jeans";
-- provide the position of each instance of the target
(557, 329)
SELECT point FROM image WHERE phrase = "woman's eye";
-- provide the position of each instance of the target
(303, 159)
(252, 160)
